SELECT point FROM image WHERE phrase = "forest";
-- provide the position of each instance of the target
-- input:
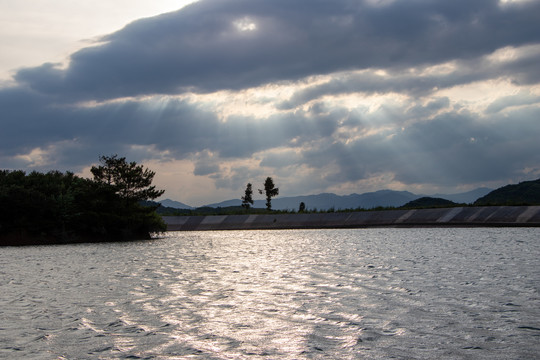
(524, 193)
(60, 207)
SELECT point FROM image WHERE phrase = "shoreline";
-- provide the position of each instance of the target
(481, 216)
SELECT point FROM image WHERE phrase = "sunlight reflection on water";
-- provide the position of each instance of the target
(347, 294)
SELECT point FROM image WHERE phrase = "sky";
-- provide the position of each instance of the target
(342, 96)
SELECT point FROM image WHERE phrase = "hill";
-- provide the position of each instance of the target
(524, 193)
(429, 202)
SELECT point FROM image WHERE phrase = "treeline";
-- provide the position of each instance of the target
(238, 210)
(56, 207)
(207, 210)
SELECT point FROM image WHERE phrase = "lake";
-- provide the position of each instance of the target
(418, 293)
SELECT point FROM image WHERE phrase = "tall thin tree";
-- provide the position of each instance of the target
(270, 191)
(247, 199)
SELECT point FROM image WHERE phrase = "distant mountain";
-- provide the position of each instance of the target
(468, 197)
(386, 198)
(227, 203)
(325, 201)
(174, 204)
(524, 193)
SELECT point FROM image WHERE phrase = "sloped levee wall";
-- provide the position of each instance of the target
(458, 216)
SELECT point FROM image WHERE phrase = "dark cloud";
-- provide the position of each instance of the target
(422, 112)
(521, 69)
(452, 148)
(443, 148)
(33, 122)
(202, 169)
(176, 126)
(524, 70)
(200, 47)
(372, 83)
(524, 98)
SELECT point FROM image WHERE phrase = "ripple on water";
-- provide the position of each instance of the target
(364, 293)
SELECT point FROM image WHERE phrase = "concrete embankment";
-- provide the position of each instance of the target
(458, 216)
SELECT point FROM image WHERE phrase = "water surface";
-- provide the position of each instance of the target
(301, 294)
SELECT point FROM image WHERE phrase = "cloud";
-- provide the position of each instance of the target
(200, 48)
(451, 148)
(202, 169)
(523, 98)
(179, 127)
(426, 80)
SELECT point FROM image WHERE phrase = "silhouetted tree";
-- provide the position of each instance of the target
(57, 207)
(132, 181)
(302, 207)
(247, 199)
(270, 191)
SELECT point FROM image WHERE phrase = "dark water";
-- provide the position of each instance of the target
(318, 294)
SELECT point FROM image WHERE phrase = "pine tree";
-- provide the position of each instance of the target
(132, 181)
(270, 191)
(247, 199)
